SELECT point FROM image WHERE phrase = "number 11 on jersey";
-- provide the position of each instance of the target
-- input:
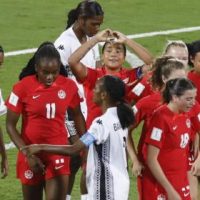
(50, 110)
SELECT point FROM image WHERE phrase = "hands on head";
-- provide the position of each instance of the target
(108, 35)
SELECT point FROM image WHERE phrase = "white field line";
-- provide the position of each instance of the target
(140, 35)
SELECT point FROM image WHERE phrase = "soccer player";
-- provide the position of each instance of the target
(42, 100)
(168, 137)
(194, 58)
(174, 48)
(113, 57)
(83, 22)
(107, 177)
(163, 69)
(194, 75)
(4, 162)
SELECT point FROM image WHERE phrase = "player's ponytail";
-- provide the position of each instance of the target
(176, 87)
(85, 9)
(29, 69)
(1, 49)
(115, 88)
(163, 67)
(72, 17)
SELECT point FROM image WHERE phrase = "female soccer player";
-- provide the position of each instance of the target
(168, 137)
(107, 177)
(174, 48)
(113, 57)
(83, 22)
(163, 69)
(194, 58)
(194, 75)
(42, 100)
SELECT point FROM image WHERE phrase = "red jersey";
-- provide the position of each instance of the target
(43, 108)
(129, 76)
(195, 78)
(143, 110)
(170, 132)
(142, 89)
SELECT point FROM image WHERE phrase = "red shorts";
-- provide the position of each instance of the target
(149, 189)
(55, 165)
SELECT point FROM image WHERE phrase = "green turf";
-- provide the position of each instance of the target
(26, 23)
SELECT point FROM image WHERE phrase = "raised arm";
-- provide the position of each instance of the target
(138, 49)
(79, 69)
(156, 170)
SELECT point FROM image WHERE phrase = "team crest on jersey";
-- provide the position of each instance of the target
(28, 174)
(188, 123)
(161, 197)
(61, 94)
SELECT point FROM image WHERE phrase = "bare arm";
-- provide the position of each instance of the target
(11, 124)
(78, 69)
(55, 149)
(156, 170)
(79, 120)
(138, 49)
(137, 166)
(4, 161)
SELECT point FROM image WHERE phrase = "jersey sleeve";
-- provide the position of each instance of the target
(90, 79)
(140, 90)
(139, 110)
(99, 131)
(64, 50)
(195, 117)
(15, 99)
(155, 135)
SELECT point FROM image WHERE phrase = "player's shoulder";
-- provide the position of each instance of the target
(65, 81)
(26, 81)
(64, 37)
(148, 101)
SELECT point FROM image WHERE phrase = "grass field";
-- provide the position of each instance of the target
(26, 23)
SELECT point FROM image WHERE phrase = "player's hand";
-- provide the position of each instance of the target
(36, 164)
(31, 149)
(173, 195)
(120, 37)
(104, 35)
(195, 169)
(4, 167)
(137, 168)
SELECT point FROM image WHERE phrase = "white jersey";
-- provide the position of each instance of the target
(106, 174)
(66, 44)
